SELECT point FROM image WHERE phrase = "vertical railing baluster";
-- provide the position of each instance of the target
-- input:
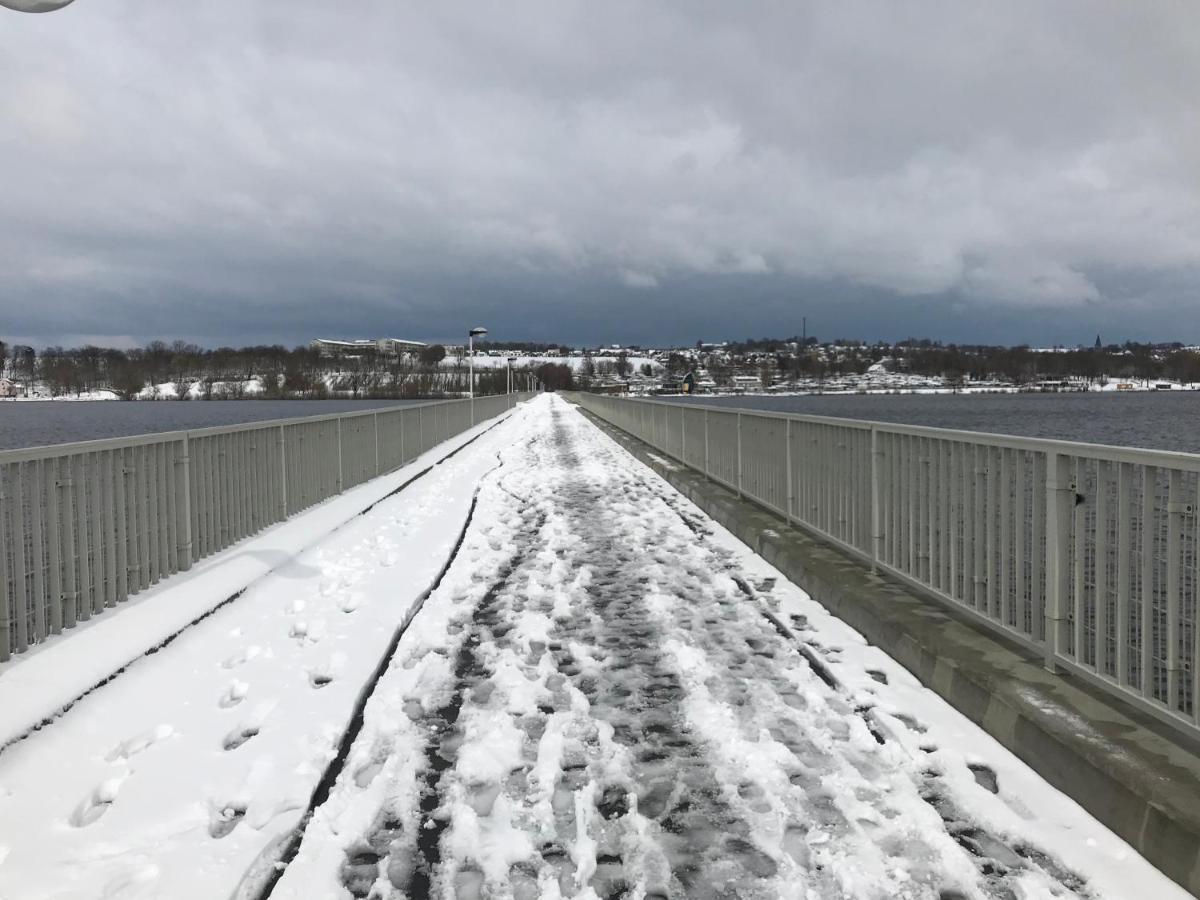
(96, 485)
(122, 514)
(1100, 645)
(38, 561)
(8, 591)
(54, 555)
(1149, 488)
(21, 600)
(980, 535)
(707, 469)
(183, 494)
(149, 484)
(1060, 497)
(876, 501)
(991, 533)
(67, 534)
(1079, 569)
(111, 467)
(142, 493)
(1176, 508)
(739, 454)
(283, 474)
(1020, 520)
(1006, 537)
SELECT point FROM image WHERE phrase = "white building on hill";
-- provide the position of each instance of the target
(383, 346)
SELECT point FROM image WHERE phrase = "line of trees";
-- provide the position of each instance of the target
(1019, 364)
(228, 372)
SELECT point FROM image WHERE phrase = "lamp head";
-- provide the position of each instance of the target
(35, 6)
(478, 331)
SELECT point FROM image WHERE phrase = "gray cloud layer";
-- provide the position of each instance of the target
(231, 171)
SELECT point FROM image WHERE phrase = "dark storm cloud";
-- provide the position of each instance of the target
(233, 172)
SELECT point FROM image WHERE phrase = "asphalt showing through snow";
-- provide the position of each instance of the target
(612, 709)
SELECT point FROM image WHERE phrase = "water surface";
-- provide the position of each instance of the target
(34, 424)
(1158, 420)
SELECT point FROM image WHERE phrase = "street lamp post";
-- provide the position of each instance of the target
(511, 360)
(478, 331)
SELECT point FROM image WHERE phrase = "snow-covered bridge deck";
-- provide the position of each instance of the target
(603, 695)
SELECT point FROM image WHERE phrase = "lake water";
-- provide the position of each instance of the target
(1161, 421)
(34, 424)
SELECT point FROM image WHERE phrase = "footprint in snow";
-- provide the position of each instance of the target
(911, 722)
(136, 744)
(248, 727)
(319, 677)
(350, 603)
(241, 657)
(985, 777)
(239, 736)
(224, 818)
(234, 694)
(96, 804)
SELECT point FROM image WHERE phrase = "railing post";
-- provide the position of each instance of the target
(1177, 508)
(1060, 497)
(375, 420)
(339, 443)
(183, 477)
(787, 442)
(706, 469)
(283, 479)
(739, 453)
(876, 505)
(683, 436)
(8, 600)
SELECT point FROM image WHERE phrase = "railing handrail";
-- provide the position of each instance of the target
(70, 448)
(1108, 452)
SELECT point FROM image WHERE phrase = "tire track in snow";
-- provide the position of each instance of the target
(269, 868)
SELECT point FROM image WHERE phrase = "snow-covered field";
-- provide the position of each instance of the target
(605, 695)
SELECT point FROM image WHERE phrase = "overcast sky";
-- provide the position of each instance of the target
(232, 172)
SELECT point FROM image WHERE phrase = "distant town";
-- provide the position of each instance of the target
(403, 368)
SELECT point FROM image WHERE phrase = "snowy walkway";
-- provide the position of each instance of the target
(605, 696)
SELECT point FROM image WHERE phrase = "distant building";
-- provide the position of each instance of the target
(382, 346)
(9, 388)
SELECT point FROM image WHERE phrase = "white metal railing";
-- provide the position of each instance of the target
(1085, 554)
(85, 525)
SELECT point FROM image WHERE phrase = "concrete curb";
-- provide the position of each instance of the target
(1129, 771)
